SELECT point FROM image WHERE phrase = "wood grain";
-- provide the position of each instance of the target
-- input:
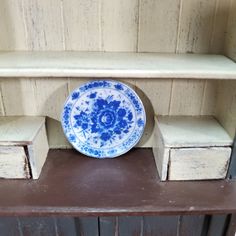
(82, 26)
(158, 25)
(119, 25)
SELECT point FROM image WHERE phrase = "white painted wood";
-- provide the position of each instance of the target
(199, 163)
(19, 130)
(50, 95)
(18, 96)
(136, 65)
(13, 35)
(119, 25)
(187, 96)
(43, 24)
(158, 25)
(220, 25)
(226, 106)
(196, 26)
(82, 26)
(230, 42)
(13, 163)
(38, 152)
(161, 153)
(188, 131)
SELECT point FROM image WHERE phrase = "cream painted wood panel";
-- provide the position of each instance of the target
(119, 25)
(158, 25)
(209, 98)
(12, 26)
(116, 64)
(226, 106)
(50, 95)
(220, 26)
(186, 97)
(230, 43)
(199, 163)
(18, 96)
(13, 163)
(43, 23)
(196, 26)
(82, 25)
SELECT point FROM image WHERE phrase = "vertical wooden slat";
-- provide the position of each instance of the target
(87, 226)
(220, 26)
(108, 226)
(158, 24)
(209, 98)
(217, 226)
(130, 226)
(37, 226)
(9, 226)
(119, 25)
(82, 25)
(230, 43)
(163, 225)
(232, 166)
(18, 96)
(12, 27)
(196, 24)
(2, 111)
(43, 23)
(191, 225)
(186, 97)
(232, 226)
(65, 226)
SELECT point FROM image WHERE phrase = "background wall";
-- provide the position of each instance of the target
(180, 26)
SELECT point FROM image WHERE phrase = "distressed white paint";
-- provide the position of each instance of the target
(196, 26)
(43, 24)
(186, 97)
(198, 163)
(158, 25)
(37, 152)
(82, 25)
(119, 25)
(135, 65)
(13, 163)
(201, 141)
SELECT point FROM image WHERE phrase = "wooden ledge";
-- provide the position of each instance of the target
(127, 65)
(75, 185)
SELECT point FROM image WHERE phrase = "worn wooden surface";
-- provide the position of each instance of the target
(72, 184)
(135, 65)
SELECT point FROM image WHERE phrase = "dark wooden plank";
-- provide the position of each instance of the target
(65, 226)
(160, 225)
(232, 166)
(232, 226)
(74, 185)
(37, 226)
(9, 226)
(130, 225)
(217, 226)
(87, 226)
(108, 226)
(191, 225)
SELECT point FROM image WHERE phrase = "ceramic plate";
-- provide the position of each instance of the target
(103, 119)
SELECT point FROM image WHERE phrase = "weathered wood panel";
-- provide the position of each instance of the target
(108, 226)
(87, 226)
(218, 225)
(119, 25)
(82, 26)
(231, 231)
(130, 226)
(158, 25)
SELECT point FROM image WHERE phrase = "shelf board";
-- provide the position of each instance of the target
(75, 185)
(136, 65)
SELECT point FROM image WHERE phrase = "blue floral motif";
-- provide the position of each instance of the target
(107, 119)
(103, 118)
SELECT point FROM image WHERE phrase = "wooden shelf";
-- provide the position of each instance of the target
(138, 65)
(72, 184)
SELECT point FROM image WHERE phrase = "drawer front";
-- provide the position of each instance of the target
(198, 163)
(13, 163)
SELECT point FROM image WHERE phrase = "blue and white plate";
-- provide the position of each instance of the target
(103, 118)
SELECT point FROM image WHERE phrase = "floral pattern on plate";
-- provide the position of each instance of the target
(103, 118)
